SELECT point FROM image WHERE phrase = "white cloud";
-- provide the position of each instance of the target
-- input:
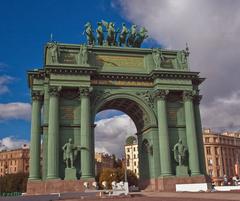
(4, 81)
(223, 113)
(110, 134)
(10, 143)
(16, 110)
(212, 30)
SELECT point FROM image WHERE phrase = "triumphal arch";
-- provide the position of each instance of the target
(155, 87)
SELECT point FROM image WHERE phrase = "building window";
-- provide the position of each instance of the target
(134, 149)
(15, 169)
(134, 156)
(215, 139)
(218, 173)
(217, 161)
(208, 150)
(216, 150)
(207, 139)
(128, 150)
(210, 162)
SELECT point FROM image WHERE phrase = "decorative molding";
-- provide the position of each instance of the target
(188, 95)
(37, 95)
(161, 93)
(197, 99)
(53, 91)
(148, 97)
(84, 92)
(98, 94)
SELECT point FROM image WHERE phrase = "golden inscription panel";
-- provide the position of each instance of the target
(172, 115)
(67, 112)
(122, 83)
(120, 61)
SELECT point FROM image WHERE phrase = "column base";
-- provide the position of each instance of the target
(34, 178)
(52, 177)
(56, 186)
(168, 184)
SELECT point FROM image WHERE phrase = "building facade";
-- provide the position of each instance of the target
(103, 160)
(14, 161)
(131, 153)
(221, 154)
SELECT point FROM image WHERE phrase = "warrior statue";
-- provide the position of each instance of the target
(123, 35)
(111, 32)
(157, 57)
(68, 153)
(179, 152)
(182, 58)
(53, 49)
(140, 37)
(100, 35)
(132, 35)
(89, 34)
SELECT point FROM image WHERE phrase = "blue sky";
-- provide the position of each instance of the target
(211, 28)
(25, 27)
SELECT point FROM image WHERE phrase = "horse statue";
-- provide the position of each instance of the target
(132, 35)
(100, 35)
(123, 35)
(140, 36)
(89, 33)
(111, 32)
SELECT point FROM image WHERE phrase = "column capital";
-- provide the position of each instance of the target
(197, 99)
(188, 95)
(37, 95)
(161, 93)
(54, 91)
(84, 92)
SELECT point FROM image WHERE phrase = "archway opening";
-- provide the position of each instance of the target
(115, 121)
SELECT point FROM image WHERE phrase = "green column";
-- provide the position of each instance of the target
(165, 159)
(86, 138)
(53, 133)
(35, 146)
(191, 133)
(196, 102)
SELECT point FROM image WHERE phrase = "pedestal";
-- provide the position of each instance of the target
(181, 170)
(70, 174)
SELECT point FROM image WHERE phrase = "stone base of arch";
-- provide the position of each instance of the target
(39, 187)
(168, 184)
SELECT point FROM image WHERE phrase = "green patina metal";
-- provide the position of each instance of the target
(153, 86)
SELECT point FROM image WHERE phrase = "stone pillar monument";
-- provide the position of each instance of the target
(191, 133)
(35, 149)
(86, 138)
(165, 158)
(53, 132)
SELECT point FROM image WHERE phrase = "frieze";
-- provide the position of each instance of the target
(120, 61)
(123, 83)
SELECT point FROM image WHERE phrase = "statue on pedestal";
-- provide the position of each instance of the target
(68, 153)
(180, 157)
(179, 152)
